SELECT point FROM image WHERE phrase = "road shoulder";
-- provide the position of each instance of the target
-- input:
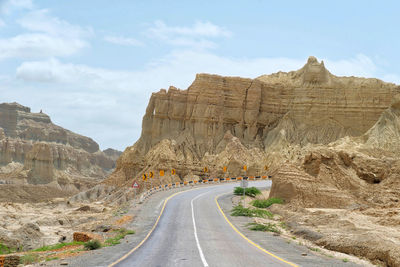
(144, 218)
(285, 248)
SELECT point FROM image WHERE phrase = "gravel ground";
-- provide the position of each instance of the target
(145, 215)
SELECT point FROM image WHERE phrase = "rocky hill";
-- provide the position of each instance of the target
(218, 117)
(35, 151)
(331, 144)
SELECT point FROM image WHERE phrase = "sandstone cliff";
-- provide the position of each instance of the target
(348, 190)
(35, 151)
(307, 106)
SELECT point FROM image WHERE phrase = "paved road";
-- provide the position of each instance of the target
(192, 232)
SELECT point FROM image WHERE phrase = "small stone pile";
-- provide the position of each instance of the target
(81, 237)
(9, 261)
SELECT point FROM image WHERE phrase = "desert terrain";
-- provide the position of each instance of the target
(331, 145)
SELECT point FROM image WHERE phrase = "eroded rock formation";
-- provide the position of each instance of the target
(35, 151)
(308, 106)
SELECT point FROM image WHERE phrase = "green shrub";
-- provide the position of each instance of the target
(29, 258)
(251, 191)
(269, 227)
(239, 210)
(4, 249)
(266, 202)
(92, 245)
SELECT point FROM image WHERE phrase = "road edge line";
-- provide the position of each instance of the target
(151, 230)
(247, 239)
(203, 258)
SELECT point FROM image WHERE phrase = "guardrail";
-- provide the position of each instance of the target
(198, 182)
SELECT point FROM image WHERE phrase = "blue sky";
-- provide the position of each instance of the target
(92, 65)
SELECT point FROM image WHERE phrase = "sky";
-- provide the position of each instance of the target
(92, 65)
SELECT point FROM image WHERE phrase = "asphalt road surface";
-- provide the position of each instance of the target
(193, 232)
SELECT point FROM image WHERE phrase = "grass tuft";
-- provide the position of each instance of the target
(116, 239)
(29, 258)
(251, 191)
(265, 203)
(92, 244)
(51, 258)
(239, 210)
(58, 246)
(268, 227)
(5, 250)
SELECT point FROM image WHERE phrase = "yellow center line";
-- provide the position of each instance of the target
(248, 240)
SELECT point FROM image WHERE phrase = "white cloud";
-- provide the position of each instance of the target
(37, 45)
(360, 65)
(48, 36)
(6, 6)
(392, 78)
(196, 36)
(199, 29)
(21, 3)
(120, 40)
(42, 21)
(53, 71)
(97, 100)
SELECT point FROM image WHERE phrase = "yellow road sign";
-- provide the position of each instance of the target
(205, 169)
(151, 174)
(144, 176)
(173, 172)
(161, 172)
(245, 167)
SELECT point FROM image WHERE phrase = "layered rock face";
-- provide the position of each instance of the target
(306, 106)
(35, 151)
(349, 190)
(17, 121)
(309, 98)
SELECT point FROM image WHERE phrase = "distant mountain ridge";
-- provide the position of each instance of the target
(33, 150)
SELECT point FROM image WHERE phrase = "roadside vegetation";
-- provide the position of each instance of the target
(37, 255)
(265, 203)
(29, 258)
(267, 227)
(116, 239)
(92, 245)
(239, 210)
(6, 250)
(58, 246)
(250, 191)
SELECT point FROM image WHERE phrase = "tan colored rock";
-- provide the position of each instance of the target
(266, 115)
(18, 121)
(49, 153)
(39, 162)
(81, 237)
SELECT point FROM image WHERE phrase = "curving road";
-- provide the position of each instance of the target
(193, 232)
